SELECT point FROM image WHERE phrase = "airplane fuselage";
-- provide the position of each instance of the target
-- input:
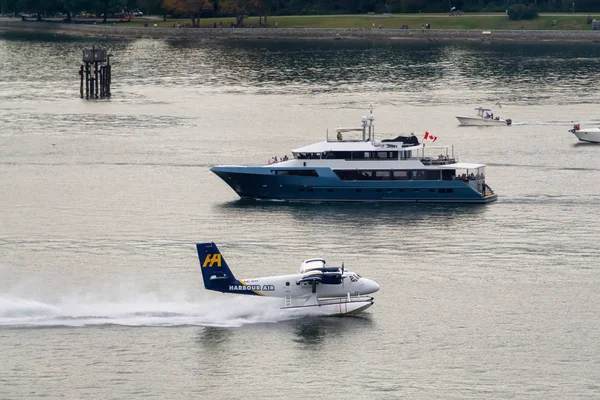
(286, 285)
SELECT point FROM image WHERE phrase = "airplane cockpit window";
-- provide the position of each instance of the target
(354, 277)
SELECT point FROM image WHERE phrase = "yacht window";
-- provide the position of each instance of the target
(400, 175)
(423, 174)
(418, 174)
(382, 174)
(341, 155)
(448, 174)
(433, 175)
(297, 172)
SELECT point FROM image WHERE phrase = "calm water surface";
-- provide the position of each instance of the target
(102, 202)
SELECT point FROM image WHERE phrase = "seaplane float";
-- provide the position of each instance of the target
(315, 290)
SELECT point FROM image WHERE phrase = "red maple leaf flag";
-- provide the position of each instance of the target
(429, 136)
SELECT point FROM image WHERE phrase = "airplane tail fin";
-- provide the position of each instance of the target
(215, 272)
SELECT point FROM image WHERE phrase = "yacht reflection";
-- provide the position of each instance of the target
(312, 332)
(387, 214)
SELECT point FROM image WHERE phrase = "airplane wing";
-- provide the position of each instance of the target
(311, 278)
(322, 275)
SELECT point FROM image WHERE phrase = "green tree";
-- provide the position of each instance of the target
(517, 12)
(191, 8)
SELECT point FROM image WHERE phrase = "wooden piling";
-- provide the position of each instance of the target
(108, 75)
(81, 81)
(87, 80)
(98, 79)
(101, 77)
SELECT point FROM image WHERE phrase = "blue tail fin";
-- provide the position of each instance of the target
(215, 272)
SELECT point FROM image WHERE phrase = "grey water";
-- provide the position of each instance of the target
(101, 203)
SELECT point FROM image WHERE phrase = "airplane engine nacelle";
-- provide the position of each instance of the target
(312, 264)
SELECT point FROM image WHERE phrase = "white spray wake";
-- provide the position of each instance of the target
(144, 310)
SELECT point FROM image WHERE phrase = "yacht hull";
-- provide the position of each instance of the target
(476, 121)
(260, 184)
(591, 135)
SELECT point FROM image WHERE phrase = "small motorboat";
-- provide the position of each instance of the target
(590, 135)
(485, 117)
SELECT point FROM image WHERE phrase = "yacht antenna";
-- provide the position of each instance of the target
(363, 119)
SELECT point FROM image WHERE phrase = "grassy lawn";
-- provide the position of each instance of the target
(496, 21)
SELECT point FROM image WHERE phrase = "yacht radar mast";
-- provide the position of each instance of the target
(368, 122)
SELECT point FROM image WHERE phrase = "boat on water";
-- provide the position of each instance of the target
(363, 169)
(590, 135)
(484, 117)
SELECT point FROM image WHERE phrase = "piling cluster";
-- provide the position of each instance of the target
(95, 74)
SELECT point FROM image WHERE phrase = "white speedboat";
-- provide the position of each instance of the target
(591, 135)
(485, 117)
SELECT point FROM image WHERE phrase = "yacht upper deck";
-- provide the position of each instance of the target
(355, 145)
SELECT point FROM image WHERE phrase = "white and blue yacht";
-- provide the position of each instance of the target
(398, 169)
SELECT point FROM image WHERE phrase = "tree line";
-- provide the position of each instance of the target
(264, 8)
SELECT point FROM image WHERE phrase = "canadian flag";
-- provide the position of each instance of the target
(430, 137)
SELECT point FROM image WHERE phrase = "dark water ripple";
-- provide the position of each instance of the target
(267, 68)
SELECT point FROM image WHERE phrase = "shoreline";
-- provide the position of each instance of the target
(119, 32)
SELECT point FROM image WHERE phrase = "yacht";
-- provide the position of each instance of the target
(363, 169)
(484, 117)
(591, 135)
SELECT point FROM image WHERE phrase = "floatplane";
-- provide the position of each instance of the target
(315, 290)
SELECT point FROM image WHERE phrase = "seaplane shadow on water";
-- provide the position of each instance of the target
(311, 332)
(316, 290)
(315, 331)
